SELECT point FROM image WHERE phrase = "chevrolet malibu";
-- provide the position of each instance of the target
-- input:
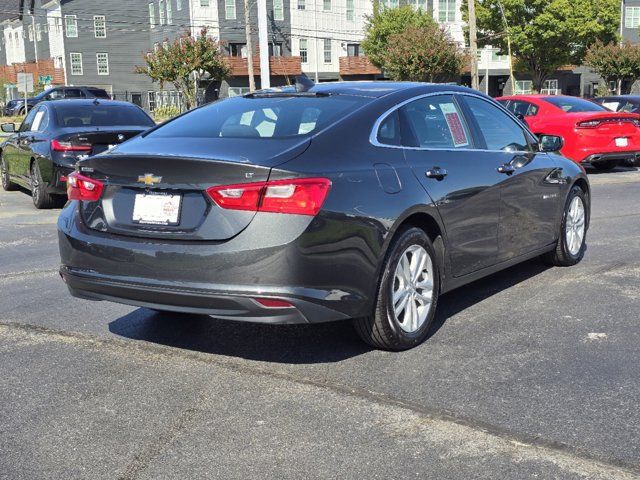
(362, 201)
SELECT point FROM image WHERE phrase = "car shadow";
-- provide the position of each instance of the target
(620, 168)
(294, 344)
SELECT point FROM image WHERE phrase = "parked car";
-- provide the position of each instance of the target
(593, 135)
(16, 107)
(362, 200)
(55, 135)
(620, 103)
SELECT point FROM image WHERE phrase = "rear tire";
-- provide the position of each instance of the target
(7, 184)
(605, 166)
(573, 231)
(409, 277)
(41, 199)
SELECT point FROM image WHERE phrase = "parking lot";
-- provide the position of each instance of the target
(530, 373)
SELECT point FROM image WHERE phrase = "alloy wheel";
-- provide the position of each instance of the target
(412, 290)
(574, 226)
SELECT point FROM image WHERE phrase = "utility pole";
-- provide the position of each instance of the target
(247, 32)
(315, 39)
(473, 46)
(263, 41)
(506, 26)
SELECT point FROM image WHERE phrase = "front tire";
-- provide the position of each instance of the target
(573, 231)
(407, 294)
(41, 198)
(7, 184)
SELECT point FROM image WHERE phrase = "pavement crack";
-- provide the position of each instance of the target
(552, 450)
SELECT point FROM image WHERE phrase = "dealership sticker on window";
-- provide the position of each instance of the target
(455, 124)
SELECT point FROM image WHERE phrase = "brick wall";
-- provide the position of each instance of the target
(42, 67)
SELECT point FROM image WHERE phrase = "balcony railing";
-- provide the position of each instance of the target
(358, 66)
(277, 66)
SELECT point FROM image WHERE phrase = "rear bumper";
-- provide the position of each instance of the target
(271, 258)
(229, 304)
(58, 182)
(629, 158)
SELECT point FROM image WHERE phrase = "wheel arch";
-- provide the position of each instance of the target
(583, 184)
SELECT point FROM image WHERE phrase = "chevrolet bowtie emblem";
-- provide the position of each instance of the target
(149, 179)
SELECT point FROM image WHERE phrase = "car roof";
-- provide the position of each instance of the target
(88, 102)
(376, 89)
(620, 97)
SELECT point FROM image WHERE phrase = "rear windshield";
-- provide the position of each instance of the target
(70, 115)
(98, 93)
(275, 117)
(574, 104)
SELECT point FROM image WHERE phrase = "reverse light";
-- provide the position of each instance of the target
(84, 188)
(58, 146)
(300, 196)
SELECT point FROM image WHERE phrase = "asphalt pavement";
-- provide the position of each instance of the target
(530, 373)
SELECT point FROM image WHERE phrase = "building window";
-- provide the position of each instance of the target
(230, 9)
(446, 10)
(178, 5)
(389, 3)
(152, 15)
(30, 30)
(327, 50)
(161, 11)
(496, 57)
(326, 5)
(420, 4)
(102, 60)
(152, 101)
(57, 62)
(38, 32)
(204, 3)
(523, 87)
(303, 50)
(169, 13)
(71, 23)
(550, 87)
(353, 50)
(99, 26)
(237, 91)
(278, 10)
(350, 11)
(632, 17)
(301, 5)
(76, 63)
(275, 49)
(238, 50)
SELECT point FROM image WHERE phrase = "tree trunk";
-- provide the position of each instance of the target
(619, 89)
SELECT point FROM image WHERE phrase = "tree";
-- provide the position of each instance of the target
(422, 53)
(186, 61)
(615, 62)
(386, 22)
(546, 34)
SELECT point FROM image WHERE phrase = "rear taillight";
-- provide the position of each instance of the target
(84, 188)
(58, 146)
(588, 124)
(301, 196)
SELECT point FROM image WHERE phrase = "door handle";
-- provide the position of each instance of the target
(437, 173)
(506, 169)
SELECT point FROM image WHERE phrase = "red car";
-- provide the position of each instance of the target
(593, 135)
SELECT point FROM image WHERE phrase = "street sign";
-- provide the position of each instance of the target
(45, 79)
(25, 82)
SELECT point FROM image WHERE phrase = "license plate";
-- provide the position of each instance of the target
(622, 142)
(156, 209)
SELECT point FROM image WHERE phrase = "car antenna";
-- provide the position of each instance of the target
(304, 84)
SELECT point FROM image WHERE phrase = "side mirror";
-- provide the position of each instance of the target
(8, 127)
(550, 143)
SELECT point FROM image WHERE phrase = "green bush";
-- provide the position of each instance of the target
(165, 112)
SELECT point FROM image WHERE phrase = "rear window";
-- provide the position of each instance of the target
(275, 117)
(574, 104)
(98, 93)
(69, 115)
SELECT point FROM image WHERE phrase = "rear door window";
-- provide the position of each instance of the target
(520, 107)
(98, 93)
(73, 93)
(434, 122)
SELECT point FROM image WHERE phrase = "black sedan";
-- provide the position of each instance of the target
(55, 135)
(16, 107)
(338, 201)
